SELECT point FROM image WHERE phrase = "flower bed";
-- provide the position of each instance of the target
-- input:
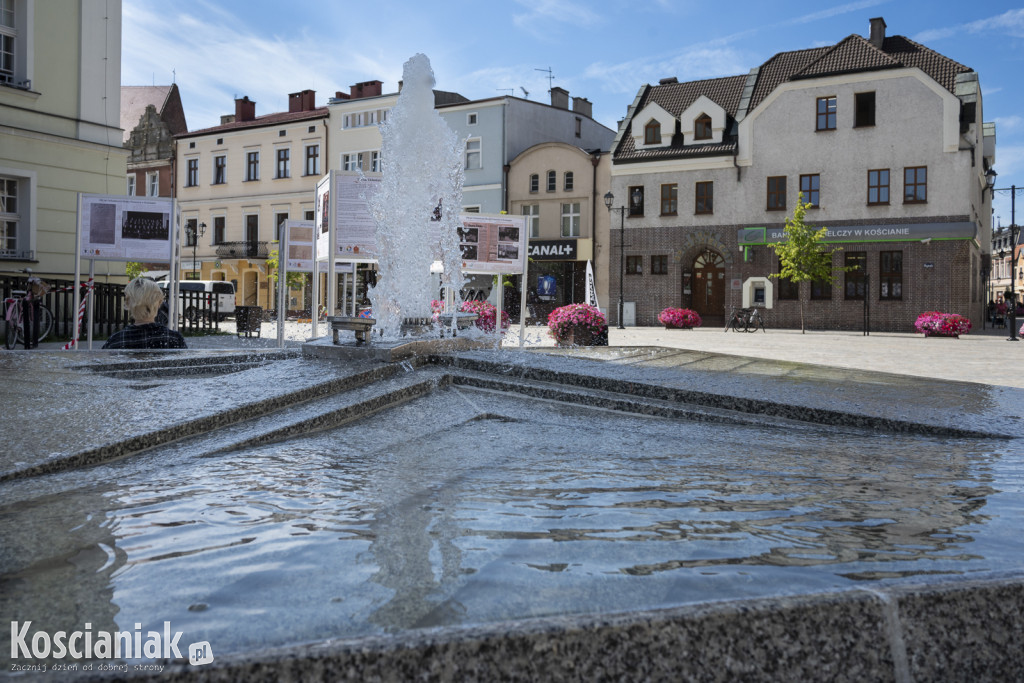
(679, 318)
(487, 312)
(577, 325)
(937, 324)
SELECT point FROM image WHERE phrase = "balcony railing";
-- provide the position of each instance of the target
(246, 250)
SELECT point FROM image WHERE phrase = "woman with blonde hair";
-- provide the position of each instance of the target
(142, 299)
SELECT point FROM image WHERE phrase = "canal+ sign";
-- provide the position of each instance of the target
(553, 250)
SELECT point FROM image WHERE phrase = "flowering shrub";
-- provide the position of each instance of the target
(679, 317)
(487, 312)
(576, 318)
(942, 324)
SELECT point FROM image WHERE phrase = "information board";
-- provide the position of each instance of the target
(122, 228)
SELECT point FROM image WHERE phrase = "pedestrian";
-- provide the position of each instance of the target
(142, 299)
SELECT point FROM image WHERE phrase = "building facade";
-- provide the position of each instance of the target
(151, 116)
(1007, 264)
(559, 188)
(60, 81)
(238, 182)
(881, 135)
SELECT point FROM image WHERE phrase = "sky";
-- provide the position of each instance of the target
(604, 51)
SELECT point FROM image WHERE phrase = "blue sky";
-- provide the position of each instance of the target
(600, 50)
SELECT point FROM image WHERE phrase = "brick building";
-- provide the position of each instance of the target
(881, 134)
(150, 117)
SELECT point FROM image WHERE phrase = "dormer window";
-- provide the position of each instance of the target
(652, 133)
(702, 128)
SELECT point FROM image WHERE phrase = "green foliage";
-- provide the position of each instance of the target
(133, 269)
(804, 256)
(295, 280)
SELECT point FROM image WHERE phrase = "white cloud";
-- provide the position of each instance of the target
(835, 11)
(545, 15)
(1008, 122)
(1010, 23)
(694, 63)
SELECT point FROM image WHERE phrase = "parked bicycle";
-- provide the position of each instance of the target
(745, 320)
(19, 312)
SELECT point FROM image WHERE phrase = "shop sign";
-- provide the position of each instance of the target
(553, 250)
(900, 232)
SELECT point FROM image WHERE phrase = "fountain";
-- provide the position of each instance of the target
(416, 211)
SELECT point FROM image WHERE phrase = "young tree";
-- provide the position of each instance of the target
(133, 269)
(804, 256)
(295, 280)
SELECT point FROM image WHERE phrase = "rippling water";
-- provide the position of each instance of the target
(433, 514)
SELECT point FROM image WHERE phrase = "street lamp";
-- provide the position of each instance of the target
(609, 199)
(990, 181)
(196, 233)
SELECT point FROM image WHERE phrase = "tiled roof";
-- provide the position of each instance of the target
(134, 99)
(259, 121)
(851, 55)
(941, 68)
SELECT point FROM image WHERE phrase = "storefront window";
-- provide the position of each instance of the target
(890, 275)
(856, 263)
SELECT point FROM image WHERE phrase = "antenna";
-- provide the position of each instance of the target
(174, 76)
(509, 91)
(550, 74)
(526, 93)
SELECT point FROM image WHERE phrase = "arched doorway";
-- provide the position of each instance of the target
(709, 284)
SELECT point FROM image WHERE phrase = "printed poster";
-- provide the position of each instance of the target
(123, 228)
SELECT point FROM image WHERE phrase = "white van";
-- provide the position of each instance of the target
(225, 292)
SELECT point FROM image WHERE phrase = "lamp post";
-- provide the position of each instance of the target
(990, 178)
(196, 233)
(609, 200)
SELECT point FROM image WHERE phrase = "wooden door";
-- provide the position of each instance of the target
(709, 284)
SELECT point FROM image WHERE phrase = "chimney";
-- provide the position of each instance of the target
(581, 105)
(366, 89)
(559, 97)
(302, 101)
(668, 81)
(877, 37)
(245, 109)
(338, 95)
(227, 118)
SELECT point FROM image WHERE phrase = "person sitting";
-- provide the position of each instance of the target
(142, 299)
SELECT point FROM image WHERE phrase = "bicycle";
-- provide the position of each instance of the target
(745, 320)
(22, 302)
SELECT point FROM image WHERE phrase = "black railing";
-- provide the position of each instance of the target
(108, 309)
(246, 250)
(198, 312)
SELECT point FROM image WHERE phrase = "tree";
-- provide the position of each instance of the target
(133, 269)
(295, 280)
(803, 256)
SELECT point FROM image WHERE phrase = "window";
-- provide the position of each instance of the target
(826, 113)
(312, 160)
(218, 229)
(702, 128)
(8, 38)
(652, 133)
(471, 119)
(375, 162)
(878, 186)
(153, 184)
(659, 265)
(915, 185)
(864, 109)
(473, 154)
(571, 219)
(568, 181)
(280, 133)
(192, 173)
(856, 263)
(636, 201)
(284, 163)
(10, 217)
(192, 145)
(190, 232)
(252, 166)
(308, 215)
(890, 275)
(279, 219)
(534, 183)
(777, 193)
(669, 199)
(552, 181)
(252, 228)
(634, 265)
(352, 162)
(220, 141)
(788, 290)
(809, 188)
(705, 202)
(130, 191)
(532, 213)
(220, 166)
(579, 127)
(311, 129)
(821, 289)
(471, 209)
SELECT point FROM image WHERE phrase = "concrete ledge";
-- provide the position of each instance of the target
(390, 352)
(955, 631)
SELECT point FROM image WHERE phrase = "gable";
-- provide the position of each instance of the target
(703, 105)
(653, 112)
